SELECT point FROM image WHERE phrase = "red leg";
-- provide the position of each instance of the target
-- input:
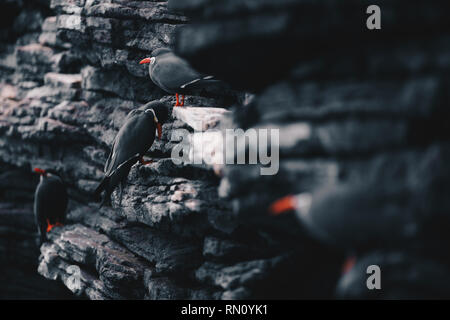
(178, 102)
(49, 226)
(182, 101)
(144, 162)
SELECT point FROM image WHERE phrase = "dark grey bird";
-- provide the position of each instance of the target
(359, 217)
(131, 143)
(354, 216)
(174, 75)
(50, 202)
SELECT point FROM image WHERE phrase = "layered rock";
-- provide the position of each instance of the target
(65, 94)
(365, 113)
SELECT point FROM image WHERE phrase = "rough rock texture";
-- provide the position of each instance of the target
(367, 110)
(68, 81)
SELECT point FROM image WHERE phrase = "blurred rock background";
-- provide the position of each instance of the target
(362, 115)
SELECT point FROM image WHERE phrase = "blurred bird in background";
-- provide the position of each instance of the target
(353, 217)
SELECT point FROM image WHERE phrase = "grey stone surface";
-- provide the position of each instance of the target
(70, 79)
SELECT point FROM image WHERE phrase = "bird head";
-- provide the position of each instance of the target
(46, 173)
(150, 60)
(155, 54)
(160, 113)
(40, 171)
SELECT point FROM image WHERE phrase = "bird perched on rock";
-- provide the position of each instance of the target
(132, 141)
(50, 202)
(174, 75)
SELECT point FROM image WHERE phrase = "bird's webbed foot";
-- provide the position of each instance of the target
(178, 103)
(51, 226)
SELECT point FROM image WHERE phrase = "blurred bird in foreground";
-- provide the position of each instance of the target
(355, 217)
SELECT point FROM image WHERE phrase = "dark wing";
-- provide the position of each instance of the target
(204, 78)
(108, 163)
(58, 199)
(135, 137)
(127, 164)
(200, 83)
(50, 201)
(116, 176)
(39, 212)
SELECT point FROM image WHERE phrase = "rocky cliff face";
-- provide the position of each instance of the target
(69, 81)
(364, 110)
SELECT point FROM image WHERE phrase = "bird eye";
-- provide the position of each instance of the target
(152, 60)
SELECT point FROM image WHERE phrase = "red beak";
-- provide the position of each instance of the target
(288, 203)
(146, 60)
(159, 128)
(39, 170)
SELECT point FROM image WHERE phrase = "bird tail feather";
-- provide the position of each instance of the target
(198, 80)
(105, 201)
(101, 187)
(105, 183)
